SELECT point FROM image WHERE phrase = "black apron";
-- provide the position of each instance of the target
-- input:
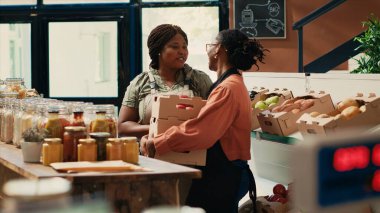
(217, 190)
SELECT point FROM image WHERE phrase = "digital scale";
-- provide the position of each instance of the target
(338, 175)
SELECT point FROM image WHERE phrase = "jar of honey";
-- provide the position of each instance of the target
(87, 150)
(52, 151)
(101, 139)
(71, 140)
(130, 150)
(114, 149)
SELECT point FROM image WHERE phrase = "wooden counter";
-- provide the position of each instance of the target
(126, 191)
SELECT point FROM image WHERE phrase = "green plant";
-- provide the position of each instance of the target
(34, 134)
(370, 45)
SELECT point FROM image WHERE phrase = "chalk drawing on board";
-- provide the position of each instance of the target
(270, 17)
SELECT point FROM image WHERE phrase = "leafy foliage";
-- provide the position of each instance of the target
(370, 44)
(34, 134)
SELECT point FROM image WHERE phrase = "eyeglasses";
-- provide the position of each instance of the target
(208, 46)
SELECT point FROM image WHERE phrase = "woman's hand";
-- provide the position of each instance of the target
(147, 146)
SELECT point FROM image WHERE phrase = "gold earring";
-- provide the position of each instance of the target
(216, 56)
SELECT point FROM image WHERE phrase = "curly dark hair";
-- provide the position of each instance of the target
(157, 39)
(242, 52)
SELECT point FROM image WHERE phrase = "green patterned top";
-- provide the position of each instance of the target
(139, 87)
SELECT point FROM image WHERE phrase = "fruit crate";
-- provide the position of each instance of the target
(165, 114)
(283, 94)
(164, 106)
(272, 156)
(284, 123)
(312, 126)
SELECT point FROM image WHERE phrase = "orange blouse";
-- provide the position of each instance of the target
(226, 116)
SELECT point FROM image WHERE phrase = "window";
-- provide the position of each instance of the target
(83, 1)
(15, 52)
(18, 2)
(83, 59)
(197, 34)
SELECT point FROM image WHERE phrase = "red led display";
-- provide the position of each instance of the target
(376, 181)
(347, 159)
(376, 155)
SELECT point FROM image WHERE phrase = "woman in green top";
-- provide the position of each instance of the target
(168, 74)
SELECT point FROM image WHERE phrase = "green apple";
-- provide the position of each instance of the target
(261, 105)
(272, 100)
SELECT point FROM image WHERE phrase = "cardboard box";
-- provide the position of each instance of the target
(313, 126)
(165, 106)
(284, 94)
(284, 123)
(165, 115)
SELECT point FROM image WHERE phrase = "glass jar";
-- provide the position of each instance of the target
(7, 119)
(52, 151)
(16, 85)
(114, 149)
(18, 111)
(71, 138)
(100, 123)
(111, 118)
(76, 111)
(87, 150)
(56, 121)
(28, 117)
(2, 108)
(101, 139)
(130, 150)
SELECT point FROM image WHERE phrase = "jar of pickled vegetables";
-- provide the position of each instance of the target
(52, 151)
(77, 115)
(101, 139)
(114, 149)
(130, 150)
(56, 121)
(87, 150)
(104, 120)
(71, 138)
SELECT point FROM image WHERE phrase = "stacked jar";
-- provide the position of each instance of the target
(87, 150)
(7, 119)
(104, 120)
(52, 151)
(71, 138)
(16, 85)
(114, 149)
(57, 120)
(101, 139)
(130, 150)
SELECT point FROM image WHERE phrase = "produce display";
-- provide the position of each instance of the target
(352, 114)
(278, 202)
(265, 99)
(296, 105)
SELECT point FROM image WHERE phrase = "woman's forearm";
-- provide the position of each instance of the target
(131, 128)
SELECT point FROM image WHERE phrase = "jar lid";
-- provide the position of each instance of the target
(75, 128)
(86, 140)
(100, 134)
(114, 140)
(9, 95)
(52, 140)
(37, 189)
(129, 139)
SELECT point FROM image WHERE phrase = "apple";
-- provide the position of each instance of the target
(261, 105)
(271, 100)
(279, 189)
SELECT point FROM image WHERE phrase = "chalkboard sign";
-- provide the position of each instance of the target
(260, 18)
